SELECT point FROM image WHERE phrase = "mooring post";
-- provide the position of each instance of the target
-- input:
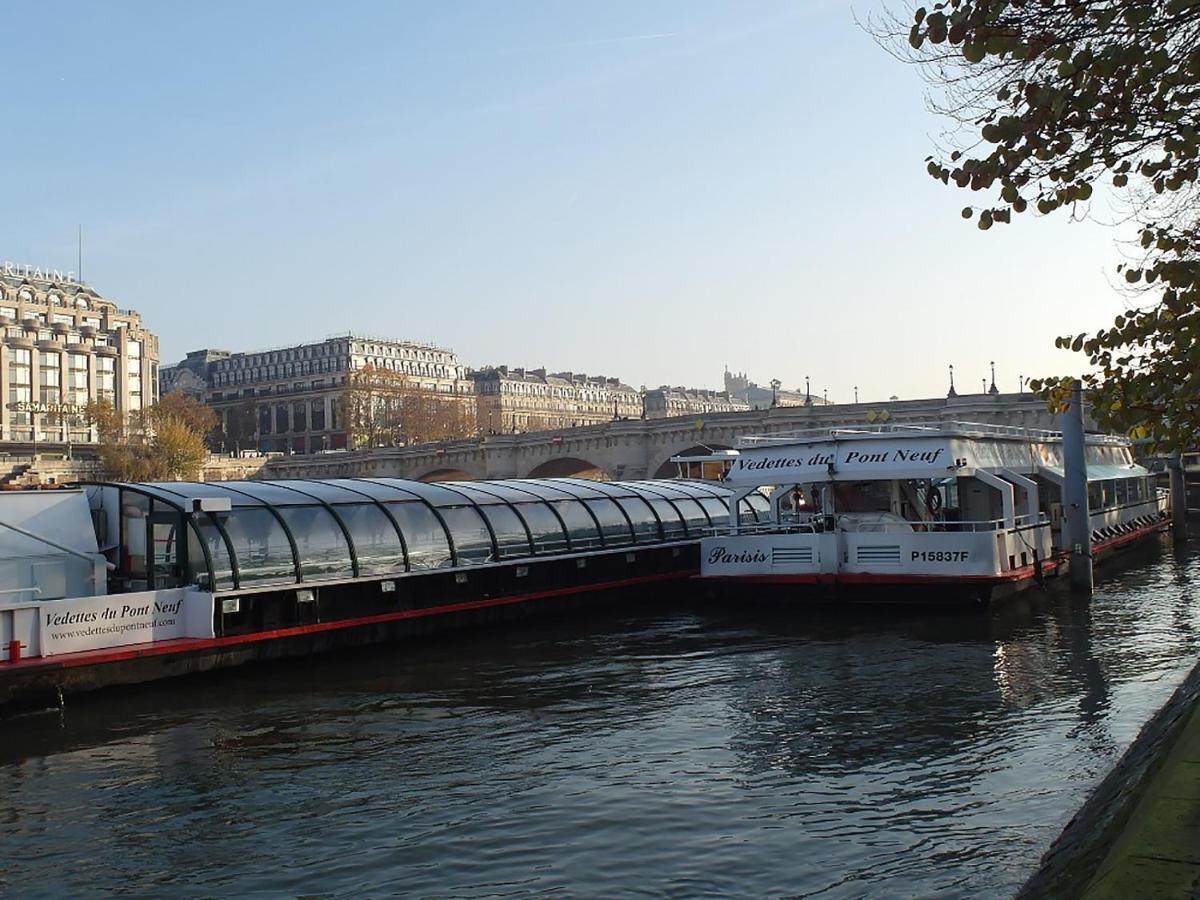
(1178, 497)
(1075, 494)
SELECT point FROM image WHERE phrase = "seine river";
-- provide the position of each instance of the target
(683, 749)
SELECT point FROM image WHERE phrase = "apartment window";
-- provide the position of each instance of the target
(20, 369)
(10, 311)
(106, 379)
(63, 319)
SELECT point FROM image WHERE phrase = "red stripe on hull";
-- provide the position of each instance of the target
(190, 645)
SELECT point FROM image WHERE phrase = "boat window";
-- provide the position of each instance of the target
(222, 574)
(747, 515)
(320, 542)
(135, 508)
(672, 521)
(472, 540)
(645, 523)
(1122, 491)
(693, 514)
(375, 540)
(544, 526)
(428, 547)
(511, 537)
(613, 523)
(1110, 494)
(1095, 496)
(580, 525)
(263, 553)
(717, 509)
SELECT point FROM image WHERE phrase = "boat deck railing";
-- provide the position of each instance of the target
(906, 526)
(921, 429)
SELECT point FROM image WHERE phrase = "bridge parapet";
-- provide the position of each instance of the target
(641, 448)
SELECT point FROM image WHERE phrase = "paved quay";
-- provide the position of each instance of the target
(1158, 852)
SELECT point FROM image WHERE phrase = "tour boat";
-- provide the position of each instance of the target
(945, 510)
(119, 583)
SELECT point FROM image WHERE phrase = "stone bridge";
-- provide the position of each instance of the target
(641, 448)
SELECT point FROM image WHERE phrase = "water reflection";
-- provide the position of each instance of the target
(756, 750)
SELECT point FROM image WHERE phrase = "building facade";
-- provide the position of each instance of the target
(740, 387)
(65, 346)
(289, 399)
(667, 401)
(518, 400)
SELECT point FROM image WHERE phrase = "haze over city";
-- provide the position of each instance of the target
(648, 191)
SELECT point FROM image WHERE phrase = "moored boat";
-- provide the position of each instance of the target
(946, 510)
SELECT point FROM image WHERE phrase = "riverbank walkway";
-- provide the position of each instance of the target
(1158, 852)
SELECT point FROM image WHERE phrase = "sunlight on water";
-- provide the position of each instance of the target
(684, 749)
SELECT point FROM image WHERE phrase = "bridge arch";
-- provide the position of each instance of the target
(664, 468)
(569, 467)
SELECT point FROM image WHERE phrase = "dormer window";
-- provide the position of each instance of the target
(81, 302)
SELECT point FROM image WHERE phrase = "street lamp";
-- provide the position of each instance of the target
(856, 393)
(775, 382)
(807, 392)
(952, 392)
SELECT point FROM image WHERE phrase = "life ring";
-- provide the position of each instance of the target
(933, 500)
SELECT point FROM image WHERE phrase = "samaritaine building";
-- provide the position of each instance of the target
(509, 400)
(289, 399)
(64, 347)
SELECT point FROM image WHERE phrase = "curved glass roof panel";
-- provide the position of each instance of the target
(222, 566)
(424, 535)
(376, 542)
(613, 524)
(373, 489)
(641, 514)
(544, 526)
(511, 537)
(472, 537)
(269, 492)
(581, 526)
(673, 489)
(263, 551)
(575, 487)
(543, 490)
(325, 491)
(320, 542)
(701, 488)
(670, 517)
(434, 493)
(181, 491)
(472, 494)
(607, 488)
(717, 509)
(508, 490)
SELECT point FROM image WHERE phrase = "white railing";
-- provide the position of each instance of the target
(961, 429)
(907, 526)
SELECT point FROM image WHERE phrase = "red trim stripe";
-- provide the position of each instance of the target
(191, 645)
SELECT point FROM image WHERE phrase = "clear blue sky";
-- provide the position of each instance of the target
(644, 189)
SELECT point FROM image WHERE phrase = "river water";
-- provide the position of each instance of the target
(678, 749)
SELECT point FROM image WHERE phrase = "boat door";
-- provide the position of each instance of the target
(166, 542)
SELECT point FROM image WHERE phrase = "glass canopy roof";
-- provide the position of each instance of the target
(286, 532)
